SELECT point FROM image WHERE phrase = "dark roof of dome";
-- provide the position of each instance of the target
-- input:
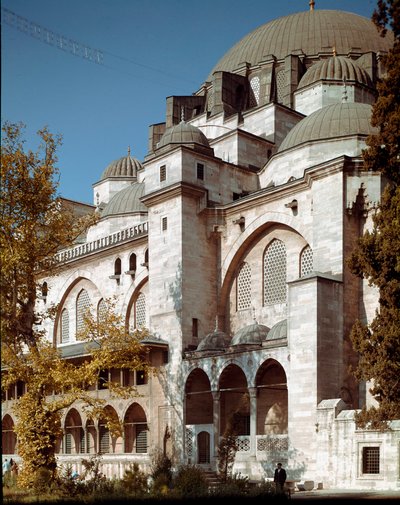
(124, 167)
(252, 334)
(336, 68)
(183, 133)
(214, 341)
(336, 120)
(279, 330)
(126, 201)
(312, 31)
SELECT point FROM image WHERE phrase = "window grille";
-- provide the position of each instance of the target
(163, 173)
(140, 310)
(68, 443)
(82, 441)
(255, 91)
(104, 434)
(64, 326)
(200, 171)
(280, 85)
(244, 287)
(101, 310)
(82, 307)
(275, 273)
(164, 223)
(370, 459)
(141, 438)
(306, 261)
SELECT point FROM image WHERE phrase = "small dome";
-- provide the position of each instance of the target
(252, 334)
(332, 121)
(126, 201)
(279, 330)
(124, 167)
(214, 341)
(336, 68)
(183, 133)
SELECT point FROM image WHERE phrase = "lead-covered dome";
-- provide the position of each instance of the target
(337, 68)
(183, 133)
(252, 334)
(214, 341)
(128, 166)
(126, 201)
(311, 32)
(333, 121)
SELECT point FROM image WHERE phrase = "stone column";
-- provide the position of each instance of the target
(216, 420)
(253, 421)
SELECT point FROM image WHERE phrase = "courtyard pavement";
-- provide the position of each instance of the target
(345, 496)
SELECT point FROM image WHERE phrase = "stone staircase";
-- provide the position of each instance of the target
(211, 478)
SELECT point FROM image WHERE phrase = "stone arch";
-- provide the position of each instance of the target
(8, 436)
(141, 287)
(234, 400)
(108, 441)
(198, 398)
(135, 430)
(272, 399)
(74, 434)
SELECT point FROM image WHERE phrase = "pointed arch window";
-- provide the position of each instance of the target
(140, 311)
(132, 263)
(117, 266)
(64, 326)
(254, 91)
(244, 287)
(275, 290)
(82, 307)
(306, 261)
(101, 310)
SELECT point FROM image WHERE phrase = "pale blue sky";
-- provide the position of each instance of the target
(151, 50)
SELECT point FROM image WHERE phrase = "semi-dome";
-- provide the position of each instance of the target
(126, 201)
(183, 133)
(279, 330)
(214, 341)
(336, 68)
(311, 32)
(252, 334)
(123, 167)
(332, 121)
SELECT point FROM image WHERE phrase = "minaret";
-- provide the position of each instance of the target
(311, 4)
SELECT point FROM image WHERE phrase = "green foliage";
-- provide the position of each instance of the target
(135, 481)
(190, 482)
(377, 255)
(233, 485)
(161, 473)
(227, 447)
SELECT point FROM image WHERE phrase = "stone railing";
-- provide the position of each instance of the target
(102, 243)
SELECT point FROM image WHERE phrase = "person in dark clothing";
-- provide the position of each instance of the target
(279, 478)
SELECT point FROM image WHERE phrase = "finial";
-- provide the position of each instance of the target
(334, 50)
(216, 323)
(311, 4)
(182, 114)
(254, 315)
(129, 150)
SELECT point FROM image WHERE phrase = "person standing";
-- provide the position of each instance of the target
(279, 478)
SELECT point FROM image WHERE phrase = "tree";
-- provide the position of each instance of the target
(377, 255)
(34, 226)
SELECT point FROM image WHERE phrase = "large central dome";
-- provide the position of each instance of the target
(311, 32)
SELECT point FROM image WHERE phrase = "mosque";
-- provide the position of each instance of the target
(228, 242)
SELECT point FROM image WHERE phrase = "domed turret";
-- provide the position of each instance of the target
(334, 121)
(183, 133)
(279, 330)
(214, 341)
(337, 68)
(126, 201)
(123, 167)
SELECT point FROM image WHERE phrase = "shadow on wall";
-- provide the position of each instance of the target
(175, 292)
(294, 469)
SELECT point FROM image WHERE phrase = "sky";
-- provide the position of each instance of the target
(118, 62)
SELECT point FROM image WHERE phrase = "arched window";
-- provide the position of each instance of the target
(275, 273)
(146, 258)
(117, 266)
(64, 326)
(140, 311)
(82, 307)
(306, 261)
(135, 429)
(8, 436)
(101, 310)
(244, 287)
(45, 291)
(254, 91)
(132, 262)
